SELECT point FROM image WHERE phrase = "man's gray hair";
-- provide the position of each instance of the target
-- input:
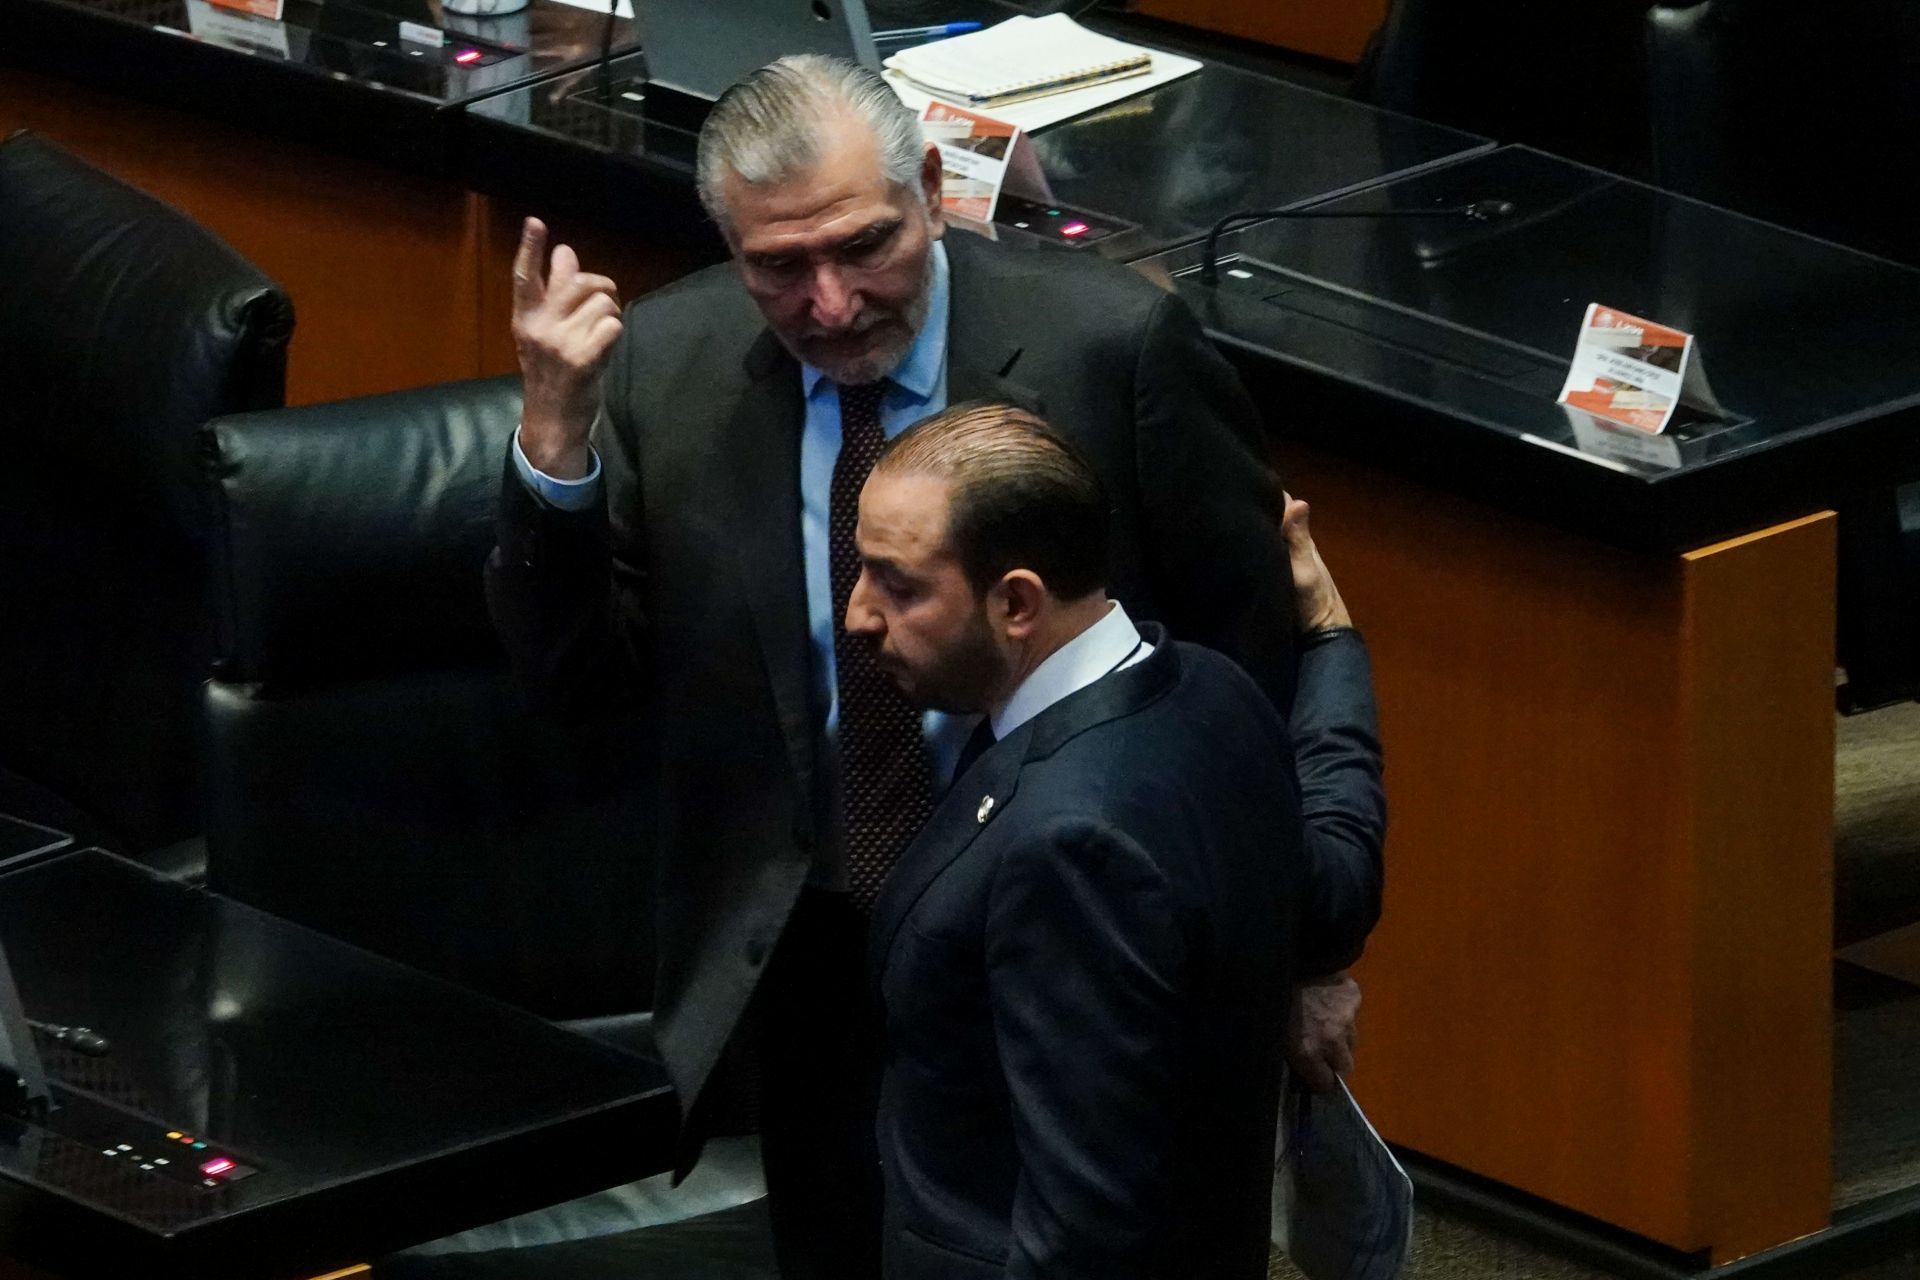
(776, 122)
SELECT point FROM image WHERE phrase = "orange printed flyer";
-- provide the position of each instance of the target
(1627, 369)
(975, 151)
(258, 8)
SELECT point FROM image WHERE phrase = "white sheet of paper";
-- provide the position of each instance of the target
(1038, 113)
(1342, 1206)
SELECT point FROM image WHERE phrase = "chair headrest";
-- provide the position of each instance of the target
(350, 537)
(124, 325)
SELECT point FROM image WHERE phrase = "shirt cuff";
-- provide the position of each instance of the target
(1326, 635)
(564, 495)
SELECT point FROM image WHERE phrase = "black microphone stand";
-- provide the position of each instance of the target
(1478, 211)
(605, 62)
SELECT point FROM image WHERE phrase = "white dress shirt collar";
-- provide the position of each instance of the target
(1108, 645)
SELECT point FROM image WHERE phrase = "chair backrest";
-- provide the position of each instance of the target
(1566, 76)
(1797, 113)
(124, 326)
(373, 770)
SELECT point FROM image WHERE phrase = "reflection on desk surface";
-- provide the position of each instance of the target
(1179, 158)
(1167, 162)
(1796, 335)
(310, 1059)
(410, 45)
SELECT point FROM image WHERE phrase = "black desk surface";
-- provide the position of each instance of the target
(1171, 160)
(1464, 330)
(22, 841)
(1435, 349)
(382, 1107)
(345, 73)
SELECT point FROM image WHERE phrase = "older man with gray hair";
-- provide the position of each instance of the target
(676, 540)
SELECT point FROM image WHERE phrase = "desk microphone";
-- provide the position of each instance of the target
(80, 1039)
(1478, 211)
(606, 50)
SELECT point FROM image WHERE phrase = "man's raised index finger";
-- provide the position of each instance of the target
(529, 283)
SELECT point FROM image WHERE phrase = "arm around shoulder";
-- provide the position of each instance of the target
(1336, 742)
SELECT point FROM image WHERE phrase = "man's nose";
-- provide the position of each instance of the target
(862, 618)
(833, 302)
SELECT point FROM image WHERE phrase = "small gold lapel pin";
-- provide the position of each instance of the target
(986, 809)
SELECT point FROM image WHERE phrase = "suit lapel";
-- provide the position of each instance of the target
(762, 452)
(969, 808)
(966, 812)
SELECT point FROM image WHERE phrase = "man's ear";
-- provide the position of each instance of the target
(1026, 599)
(931, 181)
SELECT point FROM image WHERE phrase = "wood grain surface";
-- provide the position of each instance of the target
(1602, 976)
(1323, 28)
(382, 266)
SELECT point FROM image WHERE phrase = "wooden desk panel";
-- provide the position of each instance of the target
(383, 268)
(1603, 973)
(1324, 28)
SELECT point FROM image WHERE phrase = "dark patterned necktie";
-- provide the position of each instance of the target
(886, 784)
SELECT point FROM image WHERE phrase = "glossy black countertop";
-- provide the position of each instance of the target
(1465, 329)
(379, 1106)
(375, 77)
(1168, 162)
(1434, 349)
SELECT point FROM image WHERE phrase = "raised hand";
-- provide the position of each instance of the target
(565, 322)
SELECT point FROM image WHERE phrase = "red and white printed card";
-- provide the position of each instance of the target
(1627, 369)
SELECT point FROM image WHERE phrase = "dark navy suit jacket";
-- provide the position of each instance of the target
(1085, 961)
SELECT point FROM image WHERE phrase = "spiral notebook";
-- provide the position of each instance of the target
(1019, 59)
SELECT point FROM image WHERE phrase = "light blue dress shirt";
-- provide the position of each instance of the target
(916, 387)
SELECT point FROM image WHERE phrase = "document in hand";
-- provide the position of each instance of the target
(1342, 1205)
(1018, 59)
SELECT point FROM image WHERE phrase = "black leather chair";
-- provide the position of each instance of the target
(374, 773)
(372, 770)
(1566, 76)
(123, 327)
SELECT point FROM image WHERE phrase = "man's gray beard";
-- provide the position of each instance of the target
(853, 373)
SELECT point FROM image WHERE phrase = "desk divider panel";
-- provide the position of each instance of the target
(1759, 640)
(1603, 976)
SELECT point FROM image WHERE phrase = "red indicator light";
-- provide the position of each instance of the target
(1075, 229)
(214, 1168)
(471, 55)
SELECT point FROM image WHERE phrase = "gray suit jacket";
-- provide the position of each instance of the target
(705, 628)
